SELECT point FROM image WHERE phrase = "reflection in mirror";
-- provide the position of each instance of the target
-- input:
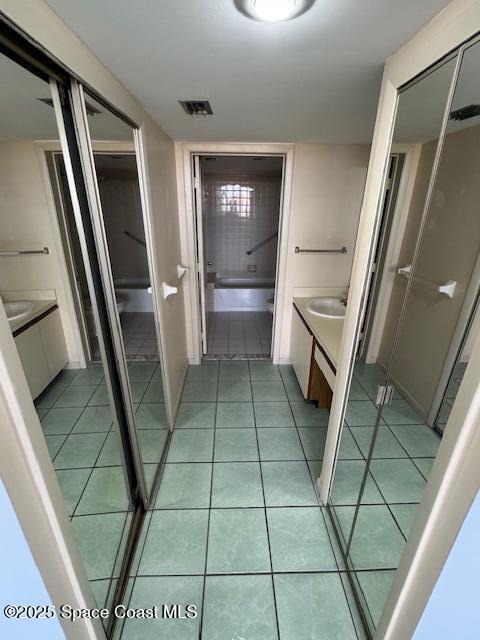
(123, 219)
(68, 390)
(386, 452)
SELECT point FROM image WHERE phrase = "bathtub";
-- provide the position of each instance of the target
(240, 292)
(245, 281)
(134, 293)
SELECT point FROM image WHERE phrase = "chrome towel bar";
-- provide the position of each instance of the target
(443, 288)
(341, 250)
(8, 254)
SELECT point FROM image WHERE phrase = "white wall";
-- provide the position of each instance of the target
(26, 225)
(328, 183)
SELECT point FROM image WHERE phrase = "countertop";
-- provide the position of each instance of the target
(40, 307)
(326, 331)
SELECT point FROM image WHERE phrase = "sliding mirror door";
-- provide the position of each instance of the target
(126, 233)
(387, 447)
(76, 400)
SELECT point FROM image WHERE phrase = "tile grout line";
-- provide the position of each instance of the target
(321, 511)
(265, 506)
(202, 615)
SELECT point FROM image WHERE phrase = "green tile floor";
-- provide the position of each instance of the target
(236, 528)
(77, 423)
(402, 459)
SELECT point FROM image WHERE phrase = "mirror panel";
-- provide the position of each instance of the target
(371, 508)
(69, 389)
(124, 226)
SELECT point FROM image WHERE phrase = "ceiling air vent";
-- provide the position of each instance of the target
(196, 108)
(91, 110)
(466, 112)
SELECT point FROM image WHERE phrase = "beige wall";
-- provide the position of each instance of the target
(26, 224)
(449, 251)
(327, 190)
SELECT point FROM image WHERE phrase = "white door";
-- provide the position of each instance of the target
(201, 266)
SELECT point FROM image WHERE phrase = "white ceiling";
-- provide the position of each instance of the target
(312, 79)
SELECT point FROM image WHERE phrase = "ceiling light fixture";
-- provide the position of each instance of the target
(273, 10)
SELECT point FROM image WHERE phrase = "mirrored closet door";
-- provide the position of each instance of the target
(402, 390)
(122, 229)
(76, 400)
(80, 302)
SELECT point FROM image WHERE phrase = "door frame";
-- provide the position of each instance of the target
(185, 184)
(200, 246)
(394, 244)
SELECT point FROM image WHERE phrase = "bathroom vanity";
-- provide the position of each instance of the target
(314, 347)
(40, 344)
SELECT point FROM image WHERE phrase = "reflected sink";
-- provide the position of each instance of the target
(18, 310)
(326, 307)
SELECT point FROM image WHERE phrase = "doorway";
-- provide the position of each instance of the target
(237, 210)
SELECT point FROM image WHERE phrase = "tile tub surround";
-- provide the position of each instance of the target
(237, 528)
(76, 419)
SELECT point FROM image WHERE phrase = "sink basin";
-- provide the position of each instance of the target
(18, 310)
(326, 307)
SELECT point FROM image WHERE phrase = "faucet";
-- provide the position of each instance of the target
(344, 297)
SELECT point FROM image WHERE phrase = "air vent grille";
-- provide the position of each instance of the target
(466, 112)
(196, 108)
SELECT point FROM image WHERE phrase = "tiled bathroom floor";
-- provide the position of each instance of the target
(237, 529)
(77, 423)
(403, 456)
(139, 335)
(241, 333)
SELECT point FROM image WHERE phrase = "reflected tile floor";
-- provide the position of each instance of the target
(76, 419)
(402, 459)
(237, 529)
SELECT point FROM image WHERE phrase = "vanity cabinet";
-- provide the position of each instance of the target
(313, 369)
(42, 350)
(301, 345)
